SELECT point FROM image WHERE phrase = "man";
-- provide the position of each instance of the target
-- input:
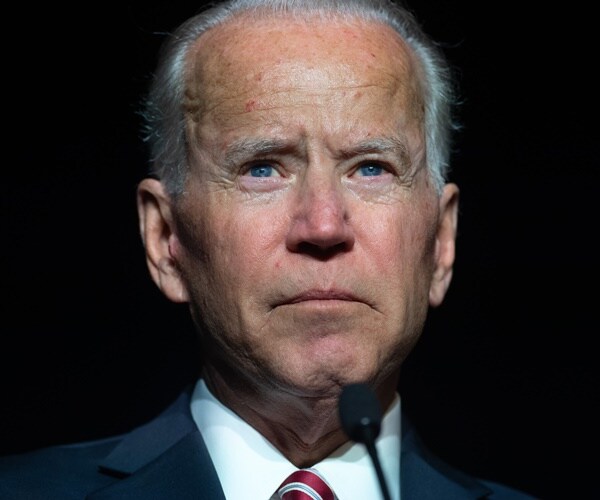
(299, 205)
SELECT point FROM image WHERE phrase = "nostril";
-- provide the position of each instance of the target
(325, 252)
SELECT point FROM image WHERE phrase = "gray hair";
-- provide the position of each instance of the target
(162, 112)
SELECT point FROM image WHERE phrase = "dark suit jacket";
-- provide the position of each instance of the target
(167, 459)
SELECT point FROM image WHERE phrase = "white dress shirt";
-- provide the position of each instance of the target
(249, 466)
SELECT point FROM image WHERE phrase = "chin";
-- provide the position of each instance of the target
(326, 375)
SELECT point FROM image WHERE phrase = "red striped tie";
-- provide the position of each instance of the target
(305, 484)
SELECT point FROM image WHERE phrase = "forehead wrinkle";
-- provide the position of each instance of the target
(215, 58)
(263, 101)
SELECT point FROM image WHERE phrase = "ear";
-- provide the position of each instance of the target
(445, 245)
(158, 235)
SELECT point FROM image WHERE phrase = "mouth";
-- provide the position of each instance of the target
(320, 295)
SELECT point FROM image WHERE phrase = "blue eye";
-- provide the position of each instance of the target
(370, 169)
(261, 170)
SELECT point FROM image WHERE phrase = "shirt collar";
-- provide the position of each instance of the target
(246, 462)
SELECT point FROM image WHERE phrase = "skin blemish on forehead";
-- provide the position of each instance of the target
(251, 105)
(350, 33)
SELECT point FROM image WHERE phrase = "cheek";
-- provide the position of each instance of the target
(229, 248)
(400, 243)
(244, 245)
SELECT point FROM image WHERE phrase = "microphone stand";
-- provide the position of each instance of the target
(360, 415)
(377, 465)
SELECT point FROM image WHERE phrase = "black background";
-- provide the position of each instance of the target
(504, 382)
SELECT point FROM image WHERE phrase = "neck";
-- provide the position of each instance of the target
(305, 429)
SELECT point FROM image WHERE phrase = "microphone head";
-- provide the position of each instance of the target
(360, 413)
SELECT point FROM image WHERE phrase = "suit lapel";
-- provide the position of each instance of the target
(164, 459)
(184, 472)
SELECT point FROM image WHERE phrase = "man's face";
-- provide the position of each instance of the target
(308, 234)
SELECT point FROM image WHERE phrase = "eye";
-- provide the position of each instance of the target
(262, 170)
(262, 176)
(370, 170)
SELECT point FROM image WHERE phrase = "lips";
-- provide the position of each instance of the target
(321, 295)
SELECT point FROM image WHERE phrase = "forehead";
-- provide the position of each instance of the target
(248, 58)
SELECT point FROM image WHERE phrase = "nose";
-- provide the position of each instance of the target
(320, 223)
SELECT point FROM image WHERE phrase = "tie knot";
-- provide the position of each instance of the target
(305, 484)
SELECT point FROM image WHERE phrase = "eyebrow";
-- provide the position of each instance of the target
(381, 145)
(244, 149)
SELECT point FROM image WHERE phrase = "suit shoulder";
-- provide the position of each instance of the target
(61, 471)
(500, 491)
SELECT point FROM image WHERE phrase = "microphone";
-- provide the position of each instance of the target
(360, 414)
